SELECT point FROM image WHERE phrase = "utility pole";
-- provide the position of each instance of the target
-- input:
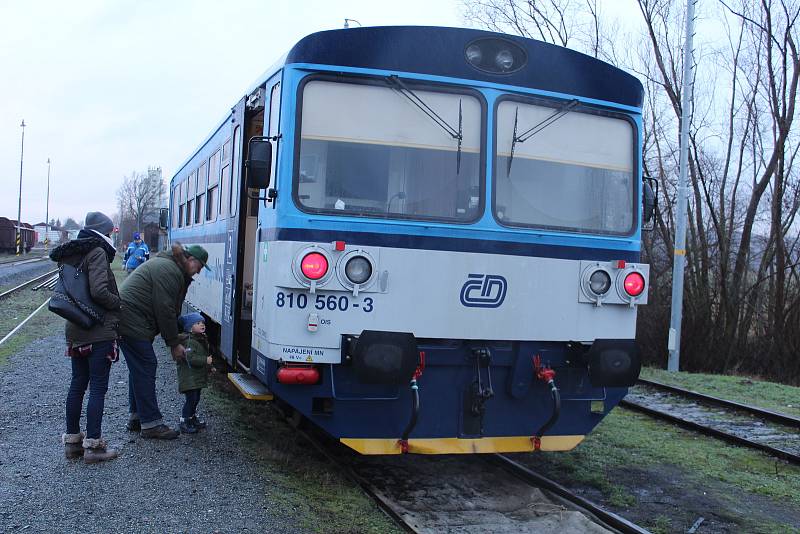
(674, 342)
(19, 207)
(47, 210)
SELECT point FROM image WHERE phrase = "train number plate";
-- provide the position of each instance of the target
(342, 303)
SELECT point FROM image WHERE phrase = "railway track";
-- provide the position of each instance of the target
(768, 431)
(44, 278)
(466, 494)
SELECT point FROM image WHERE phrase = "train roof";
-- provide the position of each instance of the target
(440, 51)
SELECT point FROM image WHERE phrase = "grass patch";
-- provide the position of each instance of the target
(627, 445)
(16, 308)
(306, 484)
(769, 395)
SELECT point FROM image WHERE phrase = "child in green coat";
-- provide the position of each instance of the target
(193, 371)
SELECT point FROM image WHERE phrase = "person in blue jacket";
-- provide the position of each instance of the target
(137, 253)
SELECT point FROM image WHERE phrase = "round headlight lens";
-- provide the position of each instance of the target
(504, 60)
(314, 266)
(474, 54)
(358, 269)
(599, 282)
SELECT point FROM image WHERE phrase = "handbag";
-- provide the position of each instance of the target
(72, 299)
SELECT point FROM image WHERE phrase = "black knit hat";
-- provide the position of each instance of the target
(98, 222)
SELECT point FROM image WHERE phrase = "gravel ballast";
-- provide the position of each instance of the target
(197, 483)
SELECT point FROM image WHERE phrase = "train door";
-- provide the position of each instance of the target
(261, 118)
(230, 210)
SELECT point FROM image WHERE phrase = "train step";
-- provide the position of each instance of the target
(250, 387)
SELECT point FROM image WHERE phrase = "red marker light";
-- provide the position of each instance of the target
(314, 266)
(620, 264)
(339, 245)
(634, 284)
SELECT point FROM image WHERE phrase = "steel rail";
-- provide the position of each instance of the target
(20, 325)
(383, 502)
(26, 284)
(777, 417)
(726, 436)
(600, 515)
(603, 516)
(13, 262)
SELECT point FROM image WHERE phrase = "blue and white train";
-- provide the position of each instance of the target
(425, 239)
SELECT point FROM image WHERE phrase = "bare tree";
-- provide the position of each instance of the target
(140, 196)
(742, 290)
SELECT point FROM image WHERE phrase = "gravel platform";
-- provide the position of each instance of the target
(197, 483)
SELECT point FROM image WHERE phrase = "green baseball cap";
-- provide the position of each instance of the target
(198, 253)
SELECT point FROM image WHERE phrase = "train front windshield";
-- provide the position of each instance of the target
(569, 169)
(368, 150)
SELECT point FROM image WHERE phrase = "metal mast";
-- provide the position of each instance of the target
(19, 207)
(674, 343)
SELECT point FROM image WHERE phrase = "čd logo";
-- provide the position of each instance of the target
(484, 291)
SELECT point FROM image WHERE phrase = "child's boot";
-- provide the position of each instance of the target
(200, 425)
(96, 450)
(187, 426)
(73, 445)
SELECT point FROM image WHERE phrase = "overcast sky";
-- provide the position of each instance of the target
(111, 87)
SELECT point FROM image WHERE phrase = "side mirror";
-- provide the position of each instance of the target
(649, 198)
(259, 163)
(163, 218)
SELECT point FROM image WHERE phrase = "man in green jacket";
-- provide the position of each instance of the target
(152, 298)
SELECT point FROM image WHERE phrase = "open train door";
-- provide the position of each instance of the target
(231, 188)
(242, 233)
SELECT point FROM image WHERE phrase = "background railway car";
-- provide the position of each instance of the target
(434, 246)
(8, 236)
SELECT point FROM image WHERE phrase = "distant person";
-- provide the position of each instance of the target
(193, 371)
(91, 351)
(152, 298)
(137, 253)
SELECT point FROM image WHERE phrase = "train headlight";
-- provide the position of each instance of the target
(314, 266)
(474, 54)
(633, 284)
(504, 60)
(599, 282)
(495, 56)
(358, 269)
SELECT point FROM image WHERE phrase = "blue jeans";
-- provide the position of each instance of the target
(190, 404)
(91, 371)
(142, 364)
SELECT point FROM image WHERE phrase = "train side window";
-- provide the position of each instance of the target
(237, 175)
(274, 117)
(175, 204)
(200, 203)
(225, 191)
(211, 203)
(182, 205)
(212, 200)
(190, 196)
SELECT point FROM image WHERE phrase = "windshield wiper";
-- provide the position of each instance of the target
(536, 128)
(403, 89)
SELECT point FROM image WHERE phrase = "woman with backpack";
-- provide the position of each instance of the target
(92, 350)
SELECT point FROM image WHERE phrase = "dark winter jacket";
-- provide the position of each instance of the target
(152, 297)
(96, 255)
(193, 373)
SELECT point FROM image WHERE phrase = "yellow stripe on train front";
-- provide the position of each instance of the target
(462, 446)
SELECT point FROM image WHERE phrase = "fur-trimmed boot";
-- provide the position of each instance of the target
(96, 450)
(73, 445)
